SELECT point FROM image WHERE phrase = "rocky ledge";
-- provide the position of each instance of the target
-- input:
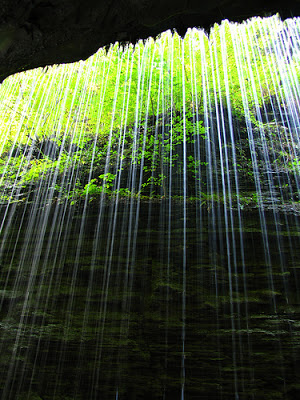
(36, 33)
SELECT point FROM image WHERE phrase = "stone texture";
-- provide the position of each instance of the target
(40, 32)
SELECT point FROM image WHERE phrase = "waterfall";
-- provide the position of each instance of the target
(149, 231)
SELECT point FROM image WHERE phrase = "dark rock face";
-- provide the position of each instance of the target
(65, 330)
(40, 32)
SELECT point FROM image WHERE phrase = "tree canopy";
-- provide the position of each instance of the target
(165, 107)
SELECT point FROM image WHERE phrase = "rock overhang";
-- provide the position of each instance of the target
(36, 33)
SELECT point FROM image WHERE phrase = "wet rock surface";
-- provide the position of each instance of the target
(93, 326)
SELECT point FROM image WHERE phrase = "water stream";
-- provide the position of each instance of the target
(149, 232)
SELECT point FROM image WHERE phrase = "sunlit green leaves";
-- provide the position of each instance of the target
(136, 105)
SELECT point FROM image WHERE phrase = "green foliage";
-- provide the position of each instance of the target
(108, 180)
(141, 106)
(92, 188)
(295, 163)
(97, 186)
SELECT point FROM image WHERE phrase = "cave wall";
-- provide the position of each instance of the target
(36, 33)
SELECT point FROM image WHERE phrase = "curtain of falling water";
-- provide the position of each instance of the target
(149, 220)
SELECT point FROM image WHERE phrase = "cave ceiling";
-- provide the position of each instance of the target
(37, 33)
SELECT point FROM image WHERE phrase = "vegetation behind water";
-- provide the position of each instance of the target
(149, 232)
(132, 120)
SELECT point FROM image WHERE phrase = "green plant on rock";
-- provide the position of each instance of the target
(102, 185)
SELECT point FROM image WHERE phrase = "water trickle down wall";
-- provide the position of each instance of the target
(149, 220)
